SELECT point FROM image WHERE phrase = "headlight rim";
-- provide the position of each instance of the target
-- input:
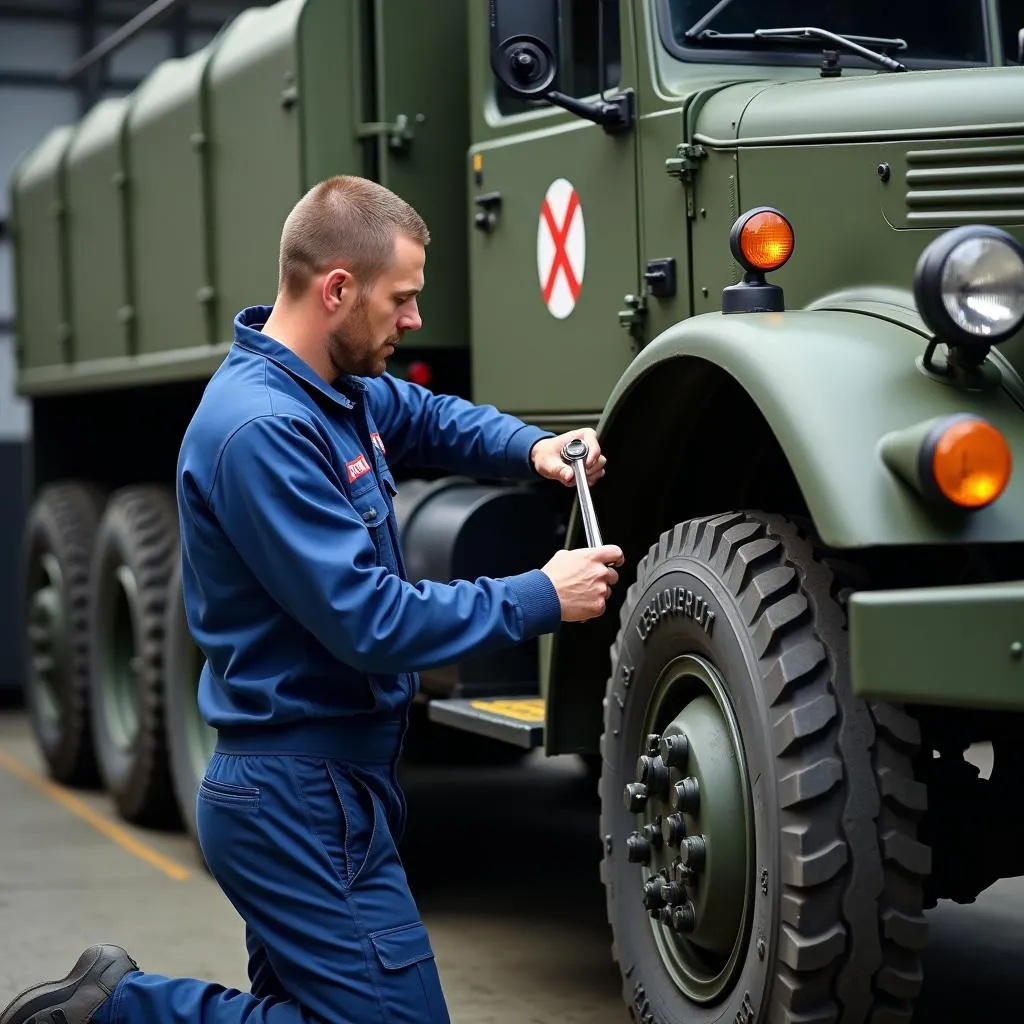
(928, 287)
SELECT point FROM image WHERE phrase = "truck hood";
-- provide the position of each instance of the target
(920, 104)
(952, 142)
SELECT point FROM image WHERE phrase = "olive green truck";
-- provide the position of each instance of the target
(772, 251)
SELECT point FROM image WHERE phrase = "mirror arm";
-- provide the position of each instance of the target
(614, 115)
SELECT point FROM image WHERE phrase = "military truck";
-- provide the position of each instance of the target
(772, 252)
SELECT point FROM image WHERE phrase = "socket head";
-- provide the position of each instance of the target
(574, 451)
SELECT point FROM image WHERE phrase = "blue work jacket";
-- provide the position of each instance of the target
(293, 580)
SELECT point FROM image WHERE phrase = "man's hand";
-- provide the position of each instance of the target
(546, 456)
(583, 579)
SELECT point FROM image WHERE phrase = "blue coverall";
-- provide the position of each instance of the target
(295, 591)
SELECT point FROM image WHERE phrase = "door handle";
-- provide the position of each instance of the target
(486, 217)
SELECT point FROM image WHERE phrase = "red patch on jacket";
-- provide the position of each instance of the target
(356, 468)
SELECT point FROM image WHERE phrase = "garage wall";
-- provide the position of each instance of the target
(39, 41)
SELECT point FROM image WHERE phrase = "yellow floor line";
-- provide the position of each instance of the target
(113, 832)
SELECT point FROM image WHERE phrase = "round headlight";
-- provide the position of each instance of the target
(969, 286)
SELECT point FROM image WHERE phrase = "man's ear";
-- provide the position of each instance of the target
(336, 290)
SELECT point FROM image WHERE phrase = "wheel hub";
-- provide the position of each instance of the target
(123, 667)
(693, 839)
(46, 638)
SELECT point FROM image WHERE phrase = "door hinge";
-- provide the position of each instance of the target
(398, 134)
(634, 317)
(684, 166)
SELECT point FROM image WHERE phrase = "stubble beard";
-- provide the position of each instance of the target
(353, 351)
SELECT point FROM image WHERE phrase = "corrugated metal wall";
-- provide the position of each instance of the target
(39, 41)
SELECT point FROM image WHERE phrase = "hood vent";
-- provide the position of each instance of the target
(970, 185)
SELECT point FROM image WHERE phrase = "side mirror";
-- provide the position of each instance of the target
(525, 45)
(526, 57)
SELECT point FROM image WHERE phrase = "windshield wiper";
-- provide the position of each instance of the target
(699, 34)
(702, 23)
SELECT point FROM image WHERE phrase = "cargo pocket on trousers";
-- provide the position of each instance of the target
(410, 986)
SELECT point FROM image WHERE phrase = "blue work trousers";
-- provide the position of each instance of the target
(303, 847)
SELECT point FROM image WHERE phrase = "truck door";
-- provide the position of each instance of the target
(554, 250)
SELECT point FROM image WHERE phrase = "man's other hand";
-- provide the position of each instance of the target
(547, 457)
(583, 579)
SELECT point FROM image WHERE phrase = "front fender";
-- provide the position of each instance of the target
(830, 385)
(783, 412)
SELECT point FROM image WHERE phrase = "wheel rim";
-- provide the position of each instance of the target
(694, 838)
(123, 664)
(201, 738)
(47, 639)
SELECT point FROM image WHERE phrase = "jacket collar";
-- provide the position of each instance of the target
(249, 335)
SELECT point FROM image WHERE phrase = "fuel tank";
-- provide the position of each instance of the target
(459, 529)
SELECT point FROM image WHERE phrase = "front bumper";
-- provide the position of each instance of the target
(955, 646)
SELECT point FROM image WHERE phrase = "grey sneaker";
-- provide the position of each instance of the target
(76, 997)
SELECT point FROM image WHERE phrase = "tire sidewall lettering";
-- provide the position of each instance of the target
(659, 629)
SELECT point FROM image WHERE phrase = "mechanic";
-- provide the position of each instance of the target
(296, 594)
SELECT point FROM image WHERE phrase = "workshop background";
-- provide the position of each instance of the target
(44, 82)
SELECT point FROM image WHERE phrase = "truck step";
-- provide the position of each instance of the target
(515, 720)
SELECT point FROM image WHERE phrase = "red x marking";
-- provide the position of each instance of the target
(559, 235)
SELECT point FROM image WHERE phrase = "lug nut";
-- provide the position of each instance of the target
(652, 894)
(683, 875)
(635, 797)
(653, 774)
(687, 796)
(672, 892)
(652, 833)
(693, 852)
(638, 850)
(674, 750)
(665, 916)
(684, 918)
(653, 740)
(673, 829)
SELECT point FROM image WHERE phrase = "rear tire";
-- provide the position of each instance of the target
(190, 740)
(59, 534)
(803, 898)
(136, 550)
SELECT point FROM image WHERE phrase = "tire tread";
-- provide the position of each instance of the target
(852, 921)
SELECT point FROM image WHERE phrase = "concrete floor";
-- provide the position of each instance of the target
(71, 874)
(504, 865)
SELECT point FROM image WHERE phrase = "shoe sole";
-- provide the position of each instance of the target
(42, 997)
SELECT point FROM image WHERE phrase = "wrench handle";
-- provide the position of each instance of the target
(575, 453)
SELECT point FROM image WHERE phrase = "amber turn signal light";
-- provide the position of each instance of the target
(761, 241)
(960, 460)
(971, 463)
(766, 240)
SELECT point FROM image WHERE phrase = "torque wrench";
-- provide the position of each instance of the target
(575, 454)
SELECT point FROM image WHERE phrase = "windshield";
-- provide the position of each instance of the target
(935, 30)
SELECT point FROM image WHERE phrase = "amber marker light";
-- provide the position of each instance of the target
(766, 240)
(761, 241)
(958, 461)
(970, 462)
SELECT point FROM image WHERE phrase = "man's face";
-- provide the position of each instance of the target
(362, 340)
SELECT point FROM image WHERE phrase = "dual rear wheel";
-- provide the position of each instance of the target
(110, 666)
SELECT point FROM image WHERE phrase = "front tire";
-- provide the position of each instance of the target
(784, 824)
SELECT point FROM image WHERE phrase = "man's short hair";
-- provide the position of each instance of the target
(349, 222)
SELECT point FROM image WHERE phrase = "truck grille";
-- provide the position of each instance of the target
(949, 187)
